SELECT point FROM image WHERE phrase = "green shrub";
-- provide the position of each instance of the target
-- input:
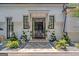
(75, 12)
(53, 37)
(66, 37)
(24, 36)
(13, 37)
(61, 44)
(12, 44)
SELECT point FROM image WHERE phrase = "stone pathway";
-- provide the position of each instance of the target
(38, 45)
(33, 46)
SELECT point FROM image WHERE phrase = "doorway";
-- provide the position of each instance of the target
(38, 28)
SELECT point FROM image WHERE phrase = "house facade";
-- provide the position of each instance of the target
(37, 20)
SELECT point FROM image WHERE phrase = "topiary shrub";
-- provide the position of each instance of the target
(53, 37)
(24, 36)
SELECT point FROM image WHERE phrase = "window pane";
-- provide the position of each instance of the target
(9, 26)
(51, 22)
(25, 22)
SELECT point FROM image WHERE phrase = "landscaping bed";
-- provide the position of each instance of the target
(63, 44)
(13, 42)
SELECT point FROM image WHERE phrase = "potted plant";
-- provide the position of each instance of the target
(23, 39)
(24, 36)
(53, 37)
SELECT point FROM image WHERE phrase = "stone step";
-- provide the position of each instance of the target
(62, 53)
(38, 40)
(45, 54)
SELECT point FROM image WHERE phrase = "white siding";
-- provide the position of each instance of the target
(17, 16)
(72, 27)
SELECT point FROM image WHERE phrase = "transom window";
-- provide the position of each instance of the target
(51, 22)
(25, 22)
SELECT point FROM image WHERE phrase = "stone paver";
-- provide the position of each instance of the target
(40, 45)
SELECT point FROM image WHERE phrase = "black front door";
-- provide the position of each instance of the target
(39, 28)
